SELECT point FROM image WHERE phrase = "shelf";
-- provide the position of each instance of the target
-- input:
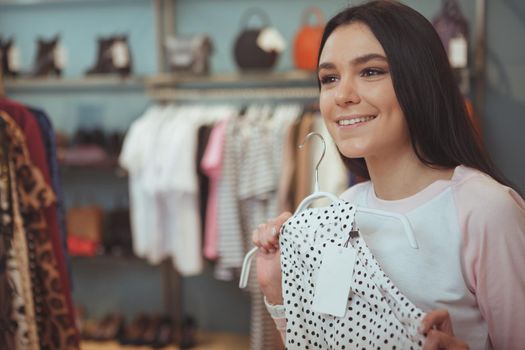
(206, 341)
(86, 83)
(165, 81)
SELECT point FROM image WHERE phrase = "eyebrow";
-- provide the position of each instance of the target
(355, 61)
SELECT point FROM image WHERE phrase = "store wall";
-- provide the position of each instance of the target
(503, 120)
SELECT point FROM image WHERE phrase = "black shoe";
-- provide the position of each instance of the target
(104, 61)
(165, 333)
(188, 330)
(133, 334)
(45, 62)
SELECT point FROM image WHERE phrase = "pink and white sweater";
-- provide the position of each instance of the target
(471, 257)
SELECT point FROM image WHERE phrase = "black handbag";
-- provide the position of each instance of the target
(248, 54)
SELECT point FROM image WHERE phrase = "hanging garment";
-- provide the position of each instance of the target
(211, 165)
(8, 329)
(55, 324)
(203, 136)
(48, 137)
(375, 316)
(36, 152)
(19, 271)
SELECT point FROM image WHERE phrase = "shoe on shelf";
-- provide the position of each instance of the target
(133, 334)
(150, 331)
(188, 336)
(165, 334)
(114, 327)
(108, 328)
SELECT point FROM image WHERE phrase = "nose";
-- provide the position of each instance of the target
(346, 93)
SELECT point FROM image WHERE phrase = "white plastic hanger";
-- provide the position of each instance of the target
(317, 194)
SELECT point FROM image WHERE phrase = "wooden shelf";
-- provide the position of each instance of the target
(251, 79)
(206, 341)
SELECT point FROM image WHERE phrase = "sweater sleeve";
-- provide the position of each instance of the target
(492, 220)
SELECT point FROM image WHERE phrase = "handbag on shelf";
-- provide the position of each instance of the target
(308, 39)
(257, 48)
(189, 54)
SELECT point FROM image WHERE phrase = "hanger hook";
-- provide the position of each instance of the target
(320, 159)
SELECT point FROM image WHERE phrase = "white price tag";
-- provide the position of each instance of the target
(334, 278)
(13, 59)
(458, 52)
(120, 54)
(271, 40)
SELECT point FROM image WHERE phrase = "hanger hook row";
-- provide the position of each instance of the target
(301, 146)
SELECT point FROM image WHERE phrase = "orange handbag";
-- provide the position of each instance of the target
(308, 39)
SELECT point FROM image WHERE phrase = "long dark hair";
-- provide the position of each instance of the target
(441, 133)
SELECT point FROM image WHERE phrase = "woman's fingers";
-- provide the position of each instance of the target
(274, 229)
(437, 327)
(437, 340)
(437, 319)
(266, 236)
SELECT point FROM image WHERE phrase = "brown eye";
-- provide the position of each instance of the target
(327, 79)
(370, 72)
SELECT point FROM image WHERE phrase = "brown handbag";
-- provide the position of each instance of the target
(248, 55)
(308, 39)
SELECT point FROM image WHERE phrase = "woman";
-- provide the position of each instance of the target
(390, 102)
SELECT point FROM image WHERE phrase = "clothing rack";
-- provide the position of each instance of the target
(262, 93)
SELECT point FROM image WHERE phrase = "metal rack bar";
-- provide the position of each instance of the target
(173, 94)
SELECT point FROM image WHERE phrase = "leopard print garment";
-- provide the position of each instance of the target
(18, 265)
(56, 327)
(7, 290)
(19, 307)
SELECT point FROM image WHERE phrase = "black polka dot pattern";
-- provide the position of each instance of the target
(378, 316)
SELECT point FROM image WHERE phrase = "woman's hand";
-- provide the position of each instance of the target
(266, 237)
(437, 327)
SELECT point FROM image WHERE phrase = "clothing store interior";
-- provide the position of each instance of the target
(212, 97)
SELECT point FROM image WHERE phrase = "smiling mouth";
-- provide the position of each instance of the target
(354, 121)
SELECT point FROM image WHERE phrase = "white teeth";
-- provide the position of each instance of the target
(355, 120)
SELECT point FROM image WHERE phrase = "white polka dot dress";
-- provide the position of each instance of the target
(377, 315)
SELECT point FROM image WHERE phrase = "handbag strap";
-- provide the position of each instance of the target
(255, 12)
(313, 10)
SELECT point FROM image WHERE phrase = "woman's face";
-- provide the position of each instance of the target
(357, 99)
